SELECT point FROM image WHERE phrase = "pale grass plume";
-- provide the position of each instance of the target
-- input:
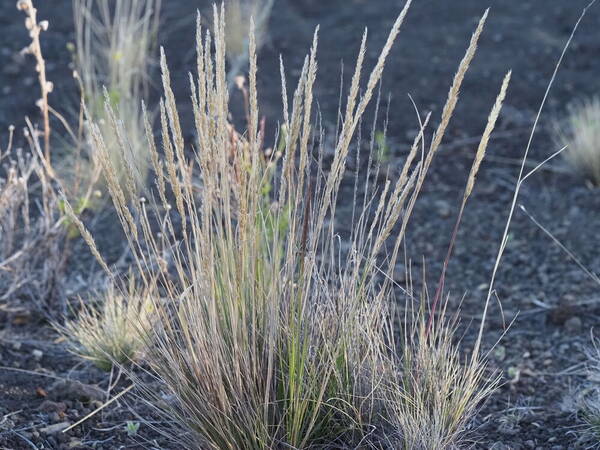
(579, 131)
(485, 138)
(35, 28)
(109, 330)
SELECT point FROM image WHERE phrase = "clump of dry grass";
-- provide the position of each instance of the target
(238, 14)
(31, 232)
(579, 131)
(584, 401)
(111, 331)
(114, 42)
(272, 336)
(437, 390)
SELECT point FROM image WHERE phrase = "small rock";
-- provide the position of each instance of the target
(530, 444)
(7, 424)
(41, 392)
(573, 325)
(62, 438)
(500, 352)
(54, 417)
(443, 208)
(562, 312)
(96, 404)
(75, 390)
(56, 428)
(50, 406)
(499, 446)
(74, 443)
(37, 354)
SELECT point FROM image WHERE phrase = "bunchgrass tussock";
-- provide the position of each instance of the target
(114, 45)
(268, 332)
(436, 390)
(579, 131)
(587, 400)
(31, 232)
(110, 330)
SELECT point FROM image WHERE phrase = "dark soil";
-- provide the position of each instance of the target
(554, 305)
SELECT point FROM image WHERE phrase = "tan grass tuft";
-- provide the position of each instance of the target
(31, 231)
(580, 133)
(112, 331)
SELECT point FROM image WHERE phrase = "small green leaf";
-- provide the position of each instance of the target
(132, 428)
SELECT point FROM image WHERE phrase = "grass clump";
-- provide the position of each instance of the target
(587, 401)
(436, 390)
(272, 334)
(580, 133)
(31, 232)
(114, 42)
(110, 332)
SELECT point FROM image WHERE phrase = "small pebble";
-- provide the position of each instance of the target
(499, 446)
(56, 428)
(573, 325)
(37, 354)
(443, 208)
(50, 406)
